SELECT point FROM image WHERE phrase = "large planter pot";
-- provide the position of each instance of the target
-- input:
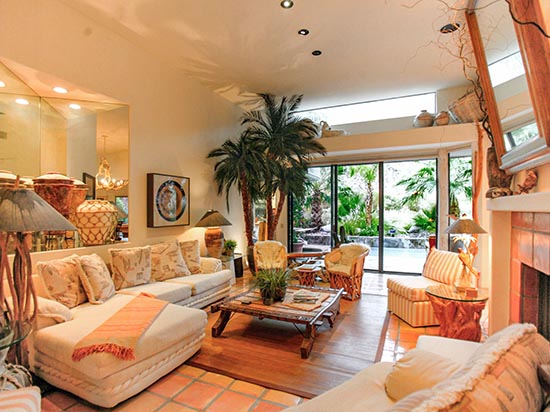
(78, 196)
(96, 222)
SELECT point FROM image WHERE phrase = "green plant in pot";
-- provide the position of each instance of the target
(229, 247)
(272, 284)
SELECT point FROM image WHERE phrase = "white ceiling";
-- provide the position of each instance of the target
(372, 49)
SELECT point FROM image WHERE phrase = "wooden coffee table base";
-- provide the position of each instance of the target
(311, 319)
(458, 320)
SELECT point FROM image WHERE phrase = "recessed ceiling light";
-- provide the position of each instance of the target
(21, 101)
(449, 28)
(59, 89)
(303, 32)
(287, 4)
(2, 84)
(74, 106)
(316, 52)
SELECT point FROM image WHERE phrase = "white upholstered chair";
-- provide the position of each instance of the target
(270, 254)
(406, 294)
(344, 266)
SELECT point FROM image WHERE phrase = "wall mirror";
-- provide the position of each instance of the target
(525, 143)
(41, 134)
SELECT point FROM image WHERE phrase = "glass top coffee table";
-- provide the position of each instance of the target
(312, 315)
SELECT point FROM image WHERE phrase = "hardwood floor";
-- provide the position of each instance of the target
(267, 352)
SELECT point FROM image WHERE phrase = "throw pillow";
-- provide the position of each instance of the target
(418, 369)
(54, 310)
(167, 261)
(62, 280)
(192, 254)
(96, 279)
(131, 267)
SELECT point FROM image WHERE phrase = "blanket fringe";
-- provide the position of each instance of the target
(121, 352)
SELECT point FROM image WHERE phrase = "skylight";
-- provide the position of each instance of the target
(374, 110)
(506, 69)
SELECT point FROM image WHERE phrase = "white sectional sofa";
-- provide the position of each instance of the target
(448, 375)
(64, 318)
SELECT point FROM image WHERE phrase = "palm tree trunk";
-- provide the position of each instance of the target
(272, 224)
(247, 211)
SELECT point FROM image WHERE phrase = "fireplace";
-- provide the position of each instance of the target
(530, 270)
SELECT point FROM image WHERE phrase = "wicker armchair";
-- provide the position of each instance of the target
(345, 268)
(270, 254)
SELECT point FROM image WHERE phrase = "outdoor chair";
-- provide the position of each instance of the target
(345, 268)
(270, 254)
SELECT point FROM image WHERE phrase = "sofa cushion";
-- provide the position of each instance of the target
(174, 325)
(412, 288)
(418, 369)
(96, 279)
(170, 292)
(52, 309)
(131, 266)
(62, 280)
(167, 261)
(190, 249)
(442, 266)
(203, 282)
(500, 376)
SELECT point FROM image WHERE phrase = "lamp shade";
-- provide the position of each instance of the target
(213, 218)
(464, 225)
(22, 210)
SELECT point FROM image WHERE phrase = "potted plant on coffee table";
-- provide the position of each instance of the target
(272, 284)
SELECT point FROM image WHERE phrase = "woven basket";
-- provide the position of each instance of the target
(466, 109)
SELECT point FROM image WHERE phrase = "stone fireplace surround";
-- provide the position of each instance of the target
(530, 254)
(519, 228)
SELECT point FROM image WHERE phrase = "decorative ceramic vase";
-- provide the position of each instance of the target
(55, 189)
(442, 118)
(423, 119)
(96, 221)
(7, 179)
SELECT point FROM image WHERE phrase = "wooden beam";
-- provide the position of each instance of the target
(485, 82)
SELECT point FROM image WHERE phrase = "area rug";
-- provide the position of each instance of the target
(267, 352)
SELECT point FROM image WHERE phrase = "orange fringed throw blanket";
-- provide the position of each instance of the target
(119, 334)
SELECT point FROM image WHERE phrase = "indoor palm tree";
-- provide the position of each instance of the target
(241, 164)
(288, 143)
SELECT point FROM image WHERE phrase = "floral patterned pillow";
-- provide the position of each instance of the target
(62, 280)
(96, 279)
(192, 254)
(167, 261)
(131, 267)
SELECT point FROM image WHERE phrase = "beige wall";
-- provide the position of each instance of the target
(174, 121)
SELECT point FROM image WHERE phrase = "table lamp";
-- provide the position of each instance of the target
(22, 212)
(463, 229)
(213, 237)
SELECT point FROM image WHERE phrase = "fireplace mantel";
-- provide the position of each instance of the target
(532, 202)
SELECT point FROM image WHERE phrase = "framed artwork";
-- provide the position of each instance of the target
(167, 200)
(89, 181)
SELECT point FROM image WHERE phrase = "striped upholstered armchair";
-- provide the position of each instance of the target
(406, 294)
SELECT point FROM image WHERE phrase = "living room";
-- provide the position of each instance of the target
(175, 120)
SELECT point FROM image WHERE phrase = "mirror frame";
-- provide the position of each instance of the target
(534, 48)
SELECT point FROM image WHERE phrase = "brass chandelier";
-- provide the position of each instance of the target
(103, 178)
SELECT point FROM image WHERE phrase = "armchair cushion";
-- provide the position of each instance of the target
(350, 251)
(270, 254)
(442, 266)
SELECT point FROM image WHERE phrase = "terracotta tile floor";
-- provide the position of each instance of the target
(190, 389)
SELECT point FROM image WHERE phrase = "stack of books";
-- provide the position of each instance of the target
(305, 296)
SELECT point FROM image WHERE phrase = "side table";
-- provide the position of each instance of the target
(458, 314)
(307, 273)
